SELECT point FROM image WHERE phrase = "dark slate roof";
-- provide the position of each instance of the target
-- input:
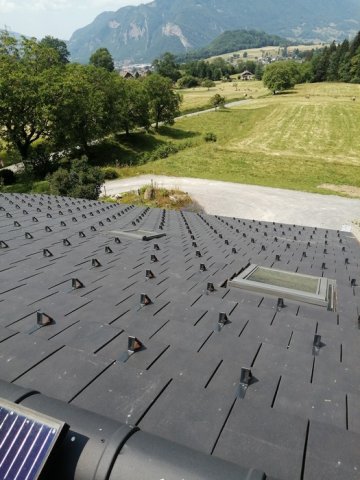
(299, 419)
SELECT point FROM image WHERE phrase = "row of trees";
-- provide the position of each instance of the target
(195, 72)
(215, 70)
(167, 66)
(44, 97)
(338, 62)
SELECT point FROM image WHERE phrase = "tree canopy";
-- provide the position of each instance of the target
(102, 58)
(217, 101)
(214, 70)
(85, 106)
(279, 76)
(58, 45)
(131, 105)
(27, 92)
(80, 180)
(48, 104)
(166, 66)
(164, 103)
(337, 63)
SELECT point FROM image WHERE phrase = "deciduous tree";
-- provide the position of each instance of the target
(217, 101)
(29, 74)
(164, 103)
(85, 107)
(279, 76)
(207, 83)
(131, 105)
(102, 58)
(167, 67)
(58, 45)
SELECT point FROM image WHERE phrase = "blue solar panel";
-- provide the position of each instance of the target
(26, 440)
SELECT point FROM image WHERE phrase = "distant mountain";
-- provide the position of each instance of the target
(142, 33)
(232, 41)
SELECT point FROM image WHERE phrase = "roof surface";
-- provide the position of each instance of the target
(299, 417)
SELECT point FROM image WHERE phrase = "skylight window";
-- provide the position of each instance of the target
(294, 286)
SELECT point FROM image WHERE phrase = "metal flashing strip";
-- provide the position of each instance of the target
(144, 235)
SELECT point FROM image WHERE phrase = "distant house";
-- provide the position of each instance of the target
(246, 75)
(126, 74)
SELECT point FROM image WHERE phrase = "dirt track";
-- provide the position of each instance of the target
(249, 201)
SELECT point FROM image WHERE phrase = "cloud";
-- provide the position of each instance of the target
(59, 18)
(116, 4)
(7, 6)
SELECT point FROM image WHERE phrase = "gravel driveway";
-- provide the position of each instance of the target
(260, 203)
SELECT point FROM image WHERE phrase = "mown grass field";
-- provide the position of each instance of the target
(299, 140)
(199, 97)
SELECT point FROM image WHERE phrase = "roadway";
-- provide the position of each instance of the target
(254, 202)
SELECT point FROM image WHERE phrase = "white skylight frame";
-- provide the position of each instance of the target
(325, 291)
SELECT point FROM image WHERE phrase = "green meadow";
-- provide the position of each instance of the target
(307, 139)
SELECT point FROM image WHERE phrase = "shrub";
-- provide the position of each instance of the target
(207, 83)
(188, 81)
(40, 161)
(165, 150)
(41, 187)
(7, 177)
(82, 180)
(110, 173)
(217, 101)
(210, 137)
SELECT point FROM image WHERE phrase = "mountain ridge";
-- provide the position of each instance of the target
(142, 33)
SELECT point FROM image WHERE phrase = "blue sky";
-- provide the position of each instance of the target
(59, 18)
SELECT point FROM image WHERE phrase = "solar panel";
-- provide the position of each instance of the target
(26, 441)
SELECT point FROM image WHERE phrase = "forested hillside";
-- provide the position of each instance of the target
(234, 40)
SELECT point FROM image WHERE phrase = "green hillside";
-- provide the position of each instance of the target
(232, 41)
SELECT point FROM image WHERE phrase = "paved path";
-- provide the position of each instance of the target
(237, 103)
(260, 203)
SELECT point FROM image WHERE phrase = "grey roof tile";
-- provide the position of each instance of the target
(184, 384)
(332, 453)
(259, 435)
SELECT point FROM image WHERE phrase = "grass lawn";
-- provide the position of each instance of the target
(300, 140)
